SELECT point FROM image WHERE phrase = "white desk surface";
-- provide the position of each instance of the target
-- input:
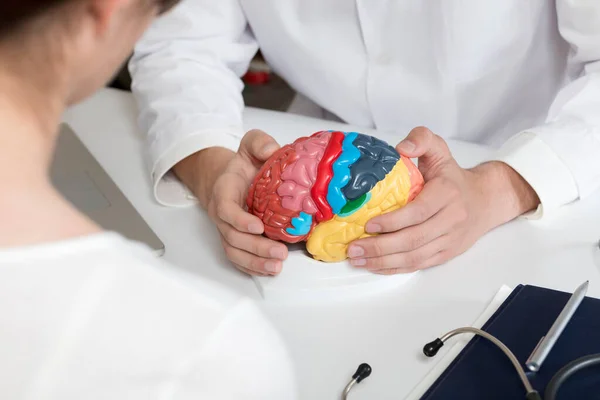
(329, 340)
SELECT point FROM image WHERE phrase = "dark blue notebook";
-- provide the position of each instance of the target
(482, 371)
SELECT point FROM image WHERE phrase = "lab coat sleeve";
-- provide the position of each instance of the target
(186, 80)
(561, 158)
(245, 358)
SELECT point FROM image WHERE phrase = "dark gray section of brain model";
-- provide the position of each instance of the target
(377, 158)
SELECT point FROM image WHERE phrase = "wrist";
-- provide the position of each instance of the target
(506, 193)
(200, 170)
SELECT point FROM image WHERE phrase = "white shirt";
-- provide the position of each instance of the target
(101, 318)
(523, 76)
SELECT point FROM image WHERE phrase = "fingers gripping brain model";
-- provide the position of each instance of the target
(324, 188)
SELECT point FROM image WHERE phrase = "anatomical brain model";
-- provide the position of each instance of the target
(324, 188)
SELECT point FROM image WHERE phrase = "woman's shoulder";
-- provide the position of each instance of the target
(127, 267)
(123, 312)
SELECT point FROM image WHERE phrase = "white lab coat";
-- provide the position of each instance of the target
(523, 76)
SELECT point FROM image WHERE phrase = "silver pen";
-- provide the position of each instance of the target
(541, 351)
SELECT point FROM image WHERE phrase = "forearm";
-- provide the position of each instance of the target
(185, 73)
(200, 171)
(507, 194)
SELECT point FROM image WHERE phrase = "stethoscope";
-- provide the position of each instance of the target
(432, 348)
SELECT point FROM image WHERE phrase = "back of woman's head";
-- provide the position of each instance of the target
(14, 13)
(77, 42)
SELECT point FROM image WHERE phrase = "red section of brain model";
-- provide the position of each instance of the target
(293, 180)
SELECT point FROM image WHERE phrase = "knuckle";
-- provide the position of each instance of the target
(445, 183)
(229, 235)
(376, 246)
(443, 145)
(416, 240)
(422, 131)
(213, 207)
(439, 143)
(452, 191)
(221, 210)
(247, 138)
(421, 211)
(256, 248)
(409, 260)
(254, 133)
(440, 259)
(256, 264)
(446, 255)
(420, 135)
(374, 263)
(256, 139)
(228, 251)
(217, 189)
(413, 259)
(461, 213)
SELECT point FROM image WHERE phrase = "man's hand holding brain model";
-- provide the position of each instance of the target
(453, 209)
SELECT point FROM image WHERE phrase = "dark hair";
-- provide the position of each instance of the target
(166, 5)
(13, 13)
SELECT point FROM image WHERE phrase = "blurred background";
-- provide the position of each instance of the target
(263, 88)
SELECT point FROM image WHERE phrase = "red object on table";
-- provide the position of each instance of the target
(256, 77)
(258, 73)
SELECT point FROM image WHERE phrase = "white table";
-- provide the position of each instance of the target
(328, 341)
